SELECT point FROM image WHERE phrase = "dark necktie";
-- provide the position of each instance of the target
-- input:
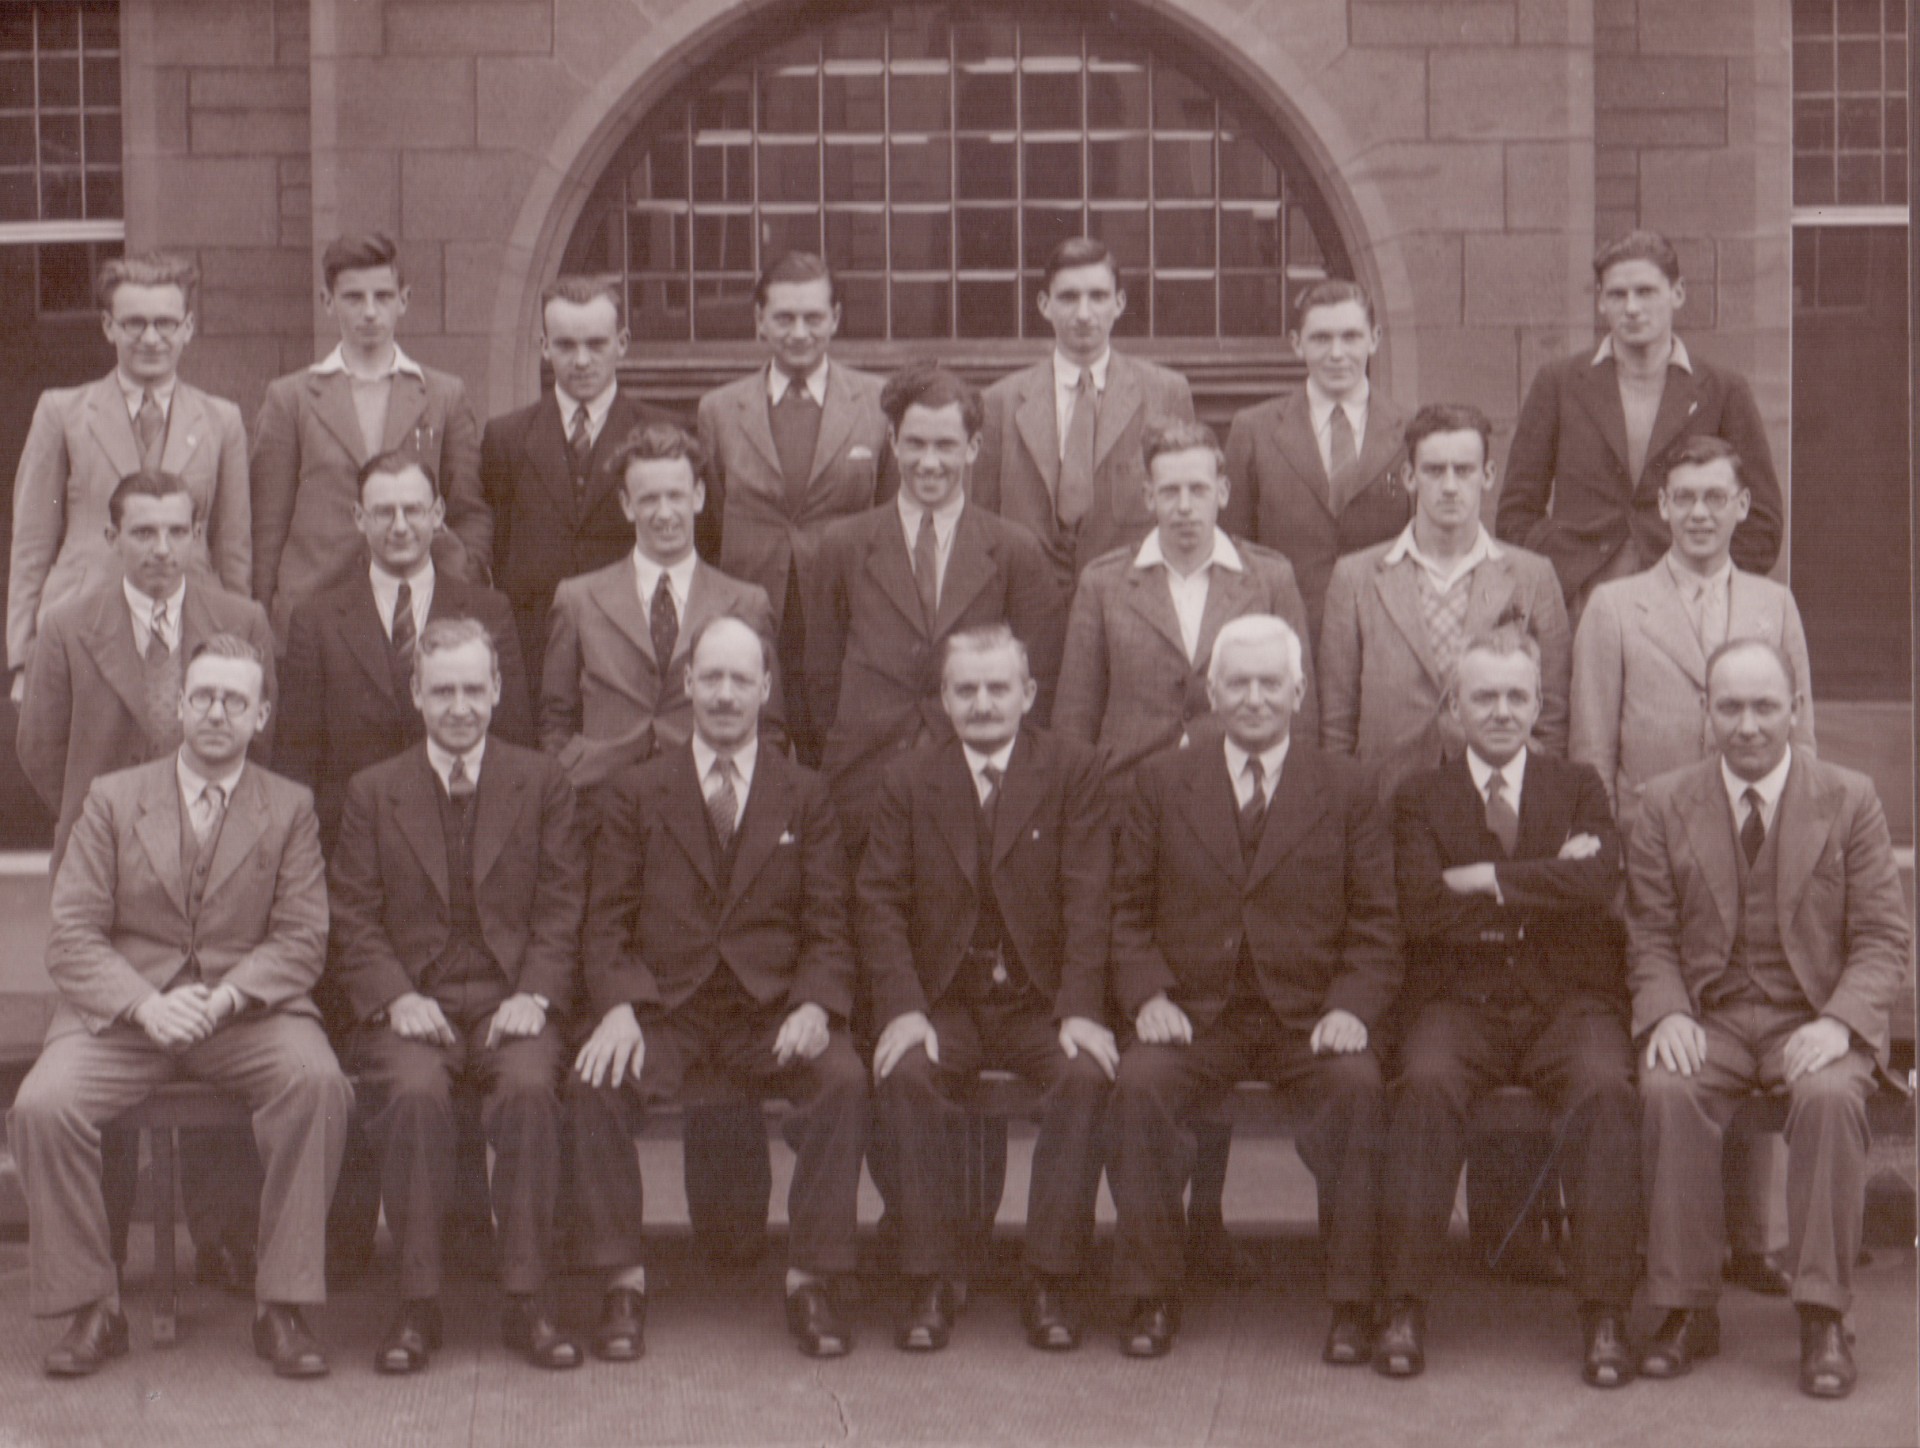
(1501, 819)
(663, 621)
(1342, 456)
(723, 803)
(926, 569)
(1753, 833)
(150, 425)
(800, 433)
(1076, 460)
(403, 627)
(1253, 814)
(157, 646)
(990, 802)
(460, 784)
(579, 447)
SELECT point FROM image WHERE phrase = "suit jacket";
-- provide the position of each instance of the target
(758, 538)
(1281, 497)
(1126, 683)
(80, 446)
(659, 921)
(1382, 694)
(120, 929)
(873, 665)
(1640, 676)
(1843, 919)
(605, 700)
(918, 894)
(307, 451)
(1316, 907)
(391, 914)
(1570, 448)
(342, 712)
(1018, 469)
(85, 709)
(541, 533)
(1553, 924)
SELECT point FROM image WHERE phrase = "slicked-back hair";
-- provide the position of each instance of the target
(1331, 293)
(392, 464)
(1176, 435)
(1504, 639)
(580, 291)
(657, 442)
(1258, 628)
(1697, 452)
(148, 269)
(1438, 417)
(796, 266)
(925, 383)
(985, 638)
(1639, 245)
(1080, 251)
(1766, 646)
(442, 635)
(363, 252)
(230, 646)
(706, 625)
(146, 483)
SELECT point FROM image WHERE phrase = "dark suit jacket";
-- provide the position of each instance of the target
(1570, 449)
(1554, 924)
(659, 922)
(1316, 907)
(918, 895)
(341, 712)
(1281, 497)
(85, 711)
(391, 917)
(541, 535)
(872, 663)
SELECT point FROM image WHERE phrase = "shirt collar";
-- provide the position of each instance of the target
(1270, 762)
(336, 361)
(442, 761)
(648, 573)
(597, 408)
(142, 605)
(1484, 548)
(193, 783)
(136, 392)
(1689, 582)
(816, 383)
(1224, 554)
(1768, 786)
(1320, 406)
(1066, 372)
(1514, 771)
(944, 517)
(976, 761)
(1676, 358)
(386, 586)
(743, 761)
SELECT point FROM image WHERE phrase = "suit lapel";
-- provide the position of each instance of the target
(186, 425)
(686, 817)
(1399, 594)
(240, 831)
(1709, 825)
(1599, 390)
(547, 451)
(970, 568)
(1123, 398)
(1230, 594)
(1295, 435)
(158, 830)
(1148, 596)
(1039, 424)
(751, 410)
(1663, 619)
(1296, 807)
(1020, 793)
(1377, 447)
(1679, 400)
(112, 426)
(497, 802)
(891, 568)
(617, 593)
(762, 822)
(837, 417)
(623, 418)
(959, 810)
(1492, 586)
(406, 403)
(703, 602)
(1212, 811)
(365, 633)
(331, 397)
(110, 645)
(1801, 825)
(1538, 811)
(415, 796)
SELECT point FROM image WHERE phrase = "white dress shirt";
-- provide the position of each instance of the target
(1676, 358)
(597, 410)
(1066, 383)
(815, 382)
(1768, 786)
(1707, 598)
(1514, 772)
(1445, 574)
(386, 593)
(1320, 412)
(945, 519)
(646, 574)
(442, 762)
(1270, 762)
(704, 755)
(1189, 590)
(978, 762)
(336, 361)
(142, 607)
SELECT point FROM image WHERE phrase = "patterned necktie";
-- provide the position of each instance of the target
(1501, 819)
(723, 803)
(1753, 833)
(150, 425)
(460, 784)
(157, 646)
(207, 811)
(579, 447)
(1076, 460)
(402, 632)
(1342, 455)
(926, 569)
(663, 622)
(1253, 814)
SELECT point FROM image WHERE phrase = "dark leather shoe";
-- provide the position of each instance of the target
(1150, 1328)
(96, 1333)
(526, 1328)
(622, 1334)
(1757, 1272)
(929, 1321)
(282, 1338)
(219, 1266)
(1350, 1338)
(415, 1333)
(1826, 1356)
(1609, 1361)
(815, 1323)
(1400, 1350)
(1683, 1338)
(1048, 1316)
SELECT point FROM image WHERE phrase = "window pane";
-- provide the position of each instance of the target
(1859, 125)
(1053, 170)
(723, 308)
(60, 196)
(863, 307)
(988, 240)
(1050, 100)
(1179, 103)
(782, 232)
(1117, 170)
(16, 29)
(984, 37)
(1246, 171)
(60, 140)
(921, 310)
(922, 241)
(59, 80)
(918, 32)
(857, 240)
(1183, 308)
(104, 199)
(102, 80)
(862, 37)
(988, 309)
(18, 199)
(1858, 17)
(920, 102)
(103, 140)
(1046, 228)
(723, 242)
(856, 172)
(101, 26)
(984, 170)
(855, 103)
(1183, 238)
(1859, 181)
(790, 92)
(59, 27)
(657, 241)
(920, 169)
(657, 310)
(16, 85)
(1896, 188)
(722, 172)
(985, 98)
(1183, 168)
(1250, 238)
(1253, 306)
(1859, 65)
(661, 171)
(1813, 181)
(790, 172)
(1812, 66)
(1127, 233)
(1116, 91)
(1813, 127)
(16, 141)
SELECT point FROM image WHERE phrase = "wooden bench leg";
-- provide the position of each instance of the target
(166, 1306)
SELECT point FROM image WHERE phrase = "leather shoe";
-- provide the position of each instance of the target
(1048, 1316)
(526, 1328)
(929, 1320)
(96, 1333)
(815, 1324)
(219, 1266)
(1609, 1361)
(1150, 1330)
(622, 1334)
(1400, 1350)
(1757, 1272)
(1350, 1338)
(1826, 1358)
(1682, 1337)
(415, 1333)
(282, 1339)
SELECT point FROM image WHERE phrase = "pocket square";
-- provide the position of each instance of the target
(788, 837)
(859, 454)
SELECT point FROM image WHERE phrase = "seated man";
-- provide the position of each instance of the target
(189, 923)
(1253, 936)
(716, 944)
(1767, 939)
(982, 919)
(1507, 863)
(458, 888)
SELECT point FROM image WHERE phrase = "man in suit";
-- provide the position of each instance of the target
(982, 917)
(1398, 612)
(1060, 446)
(547, 470)
(1768, 939)
(716, 946)
(895, 581)
(1253, 936)
(320, 425)
(1592, 423)
(141, 417)
(1316, 474)
(791, 447)
(459, 884)
(189, 923)
(1507, 862)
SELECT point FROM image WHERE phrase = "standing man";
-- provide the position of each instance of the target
(717, 941)
(459, 884)
(1060, 448)
(1398, 612)
(189, 923)
(547, 470)
(1253, 937)
(982, 917)
(139, 418)
(1507, 863)
(318, 427)
(1316, 474)
(791, 448)
(1768, 939)
(1593, 422)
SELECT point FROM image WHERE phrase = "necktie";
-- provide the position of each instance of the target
(1501, 819)
(206, 812)
(723, 804)
(149, 424)
(1713, 616)
(926, 569)
(663, 622)
(1253, 814)
(1341, 454)
(402, 631)
(1076, 460)
(992, 774)
(157, 646)
(1753, 833)
(579, 440)
(460, 784)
